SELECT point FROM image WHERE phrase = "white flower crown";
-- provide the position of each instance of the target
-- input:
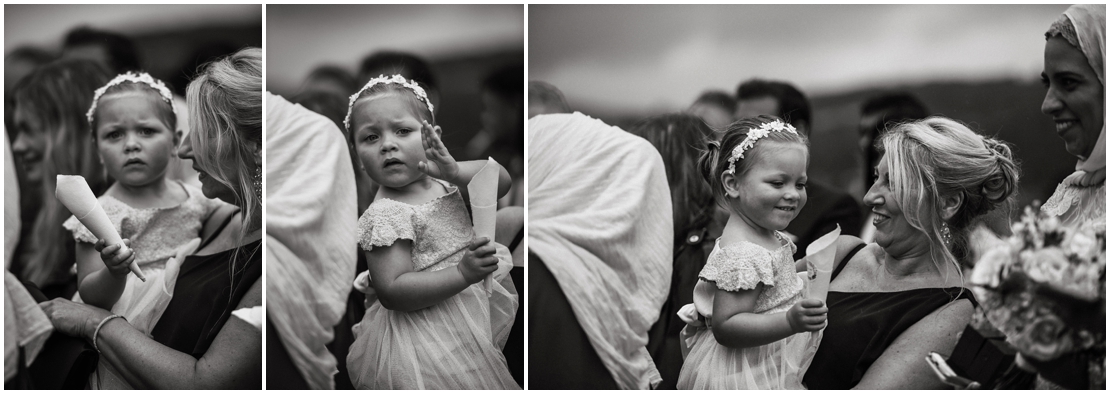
(753, 136)
(129, 76)
(395, 78)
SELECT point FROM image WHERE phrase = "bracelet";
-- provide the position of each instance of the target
(98, 326)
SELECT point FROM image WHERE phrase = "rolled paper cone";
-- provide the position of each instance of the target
(483, 205)
(821, 254)
(76, 195)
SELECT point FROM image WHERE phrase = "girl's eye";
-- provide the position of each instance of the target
(403, 131)
(146, 131)
(112, 135)
(777, 183)
(801, 185)
(370, 138)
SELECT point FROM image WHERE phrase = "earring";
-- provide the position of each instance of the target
(945, 234)
(258, 182)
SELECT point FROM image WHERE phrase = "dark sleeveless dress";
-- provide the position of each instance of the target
(205, 295)
(862, 325)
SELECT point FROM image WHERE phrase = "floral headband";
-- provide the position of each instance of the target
(395, 78)
(141, 77)
(753, 136)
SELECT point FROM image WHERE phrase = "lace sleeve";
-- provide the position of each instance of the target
(80, 232)
(739, 267)
(385, 222)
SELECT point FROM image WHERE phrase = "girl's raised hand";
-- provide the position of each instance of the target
(116, 262)
(440, 164)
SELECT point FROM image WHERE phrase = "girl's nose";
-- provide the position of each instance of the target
(21, 144)
(388, 144)
(131, 143)
(185, 151)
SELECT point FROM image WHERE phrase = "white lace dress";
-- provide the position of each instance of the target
(741, 266)
(451, 345)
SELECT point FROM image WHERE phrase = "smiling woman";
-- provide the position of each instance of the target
(1076, 101)
(52, 138)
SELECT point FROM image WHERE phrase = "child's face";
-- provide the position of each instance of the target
(387, 139)
(132, 141)
(773, 191)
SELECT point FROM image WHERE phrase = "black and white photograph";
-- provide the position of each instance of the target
(816, 197)
(132, 197)
(394, 197)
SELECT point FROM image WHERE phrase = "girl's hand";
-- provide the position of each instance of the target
(478, 261)
(440, 164)
(116, 261)
(807, 315)
(71, 318)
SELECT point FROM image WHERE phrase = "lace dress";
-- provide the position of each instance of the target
(451, 345)
(741, 266)
(1078, 204)
(155, 234)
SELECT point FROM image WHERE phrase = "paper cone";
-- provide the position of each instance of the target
(821, 254)
(75, 194)
(483, 205)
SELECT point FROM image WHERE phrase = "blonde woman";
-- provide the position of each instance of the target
(893, 301)
(209, 337)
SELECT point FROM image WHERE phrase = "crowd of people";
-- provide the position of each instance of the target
(727, 306)
(179, 303)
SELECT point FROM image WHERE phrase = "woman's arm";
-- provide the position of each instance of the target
(735, 326)
(96, 284)
(233, 361)
(400, 288)
(902, 365)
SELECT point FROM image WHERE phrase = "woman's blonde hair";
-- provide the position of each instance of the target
(936, 158)
(57, 95)
(225, 113)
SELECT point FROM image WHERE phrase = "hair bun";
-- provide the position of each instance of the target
(1000, 185)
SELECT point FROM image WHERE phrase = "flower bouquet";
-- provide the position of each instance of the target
(1044, 288)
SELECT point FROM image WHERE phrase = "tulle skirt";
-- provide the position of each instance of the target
(455, 344)
(779, 365)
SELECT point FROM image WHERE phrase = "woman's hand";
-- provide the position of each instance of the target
(73, 319)
(807, 315)
(440, 164)
(117, 260)
(478, 261)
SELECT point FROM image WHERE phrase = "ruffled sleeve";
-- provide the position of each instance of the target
(739, 267)
(80, 232)
(385, 222)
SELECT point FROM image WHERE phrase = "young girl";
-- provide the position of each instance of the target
(133, 126)
(749, 295)
(430, 323)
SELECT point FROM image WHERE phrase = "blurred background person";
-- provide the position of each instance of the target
(877, 114)
(545, 98)
(502, 130)
(53, 138)
(827, 206)
(715, 107)
(680, 139)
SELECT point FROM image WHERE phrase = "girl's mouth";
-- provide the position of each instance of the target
(389, 163)
(787, 209)
(130, 162)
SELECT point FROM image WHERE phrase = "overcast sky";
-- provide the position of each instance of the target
(45, 25)
(299, 37)
(636, 57)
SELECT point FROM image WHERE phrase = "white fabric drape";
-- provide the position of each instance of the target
(311, 216)
(600, 217)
